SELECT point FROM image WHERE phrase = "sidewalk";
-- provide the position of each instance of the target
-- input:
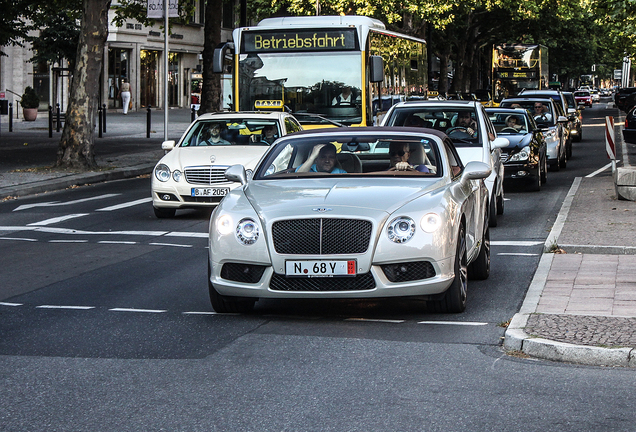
(27, 154)
(580, 306)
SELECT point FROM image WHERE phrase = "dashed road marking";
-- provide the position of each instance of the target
(57, 219)
(117, 242)
(376, 320)
(125, 205)
(517, 254)
(515, 243)
(170, 244)
(57, 203)
(137, 310)
(457, 323)
(10, 304)
(65, 307)
(68, 241)
(18, 239)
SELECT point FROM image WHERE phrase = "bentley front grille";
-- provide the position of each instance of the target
(321, 236)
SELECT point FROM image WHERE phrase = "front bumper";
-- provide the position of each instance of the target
(170, 195)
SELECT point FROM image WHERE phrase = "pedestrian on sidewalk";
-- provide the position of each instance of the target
(124, 93)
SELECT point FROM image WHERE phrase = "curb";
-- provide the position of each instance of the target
(75, 180)
(515, 337)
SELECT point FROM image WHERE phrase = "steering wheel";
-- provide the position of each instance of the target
(509, 129)
(459, 132)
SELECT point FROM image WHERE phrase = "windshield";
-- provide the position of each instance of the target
(238, 131)
(509, 123)
(322, 83)
(352, 156)
(541, 110)
(458, 123)
(581, 94)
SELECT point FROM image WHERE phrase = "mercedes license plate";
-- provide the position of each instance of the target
(209, 192)
(320, 268)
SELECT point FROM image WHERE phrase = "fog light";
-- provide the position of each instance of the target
(521, 173)
(165, 197)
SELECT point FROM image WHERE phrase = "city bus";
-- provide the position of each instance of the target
(518, 66)
(348, 69)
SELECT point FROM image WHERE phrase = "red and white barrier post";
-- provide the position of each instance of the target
(610, 147)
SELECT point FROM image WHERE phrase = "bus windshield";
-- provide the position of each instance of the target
(325, 83)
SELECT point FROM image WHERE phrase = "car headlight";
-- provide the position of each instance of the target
(401, 229)
(247, 231)
(176, 175)
(224, 225)
(431, 222)
(162, 172)
(523, 155)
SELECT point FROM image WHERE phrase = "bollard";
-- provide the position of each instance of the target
(192, 115)
(104, 118)
(101, 124)
(148, 123)
(10, 117)
(50, 121)
(59, 120)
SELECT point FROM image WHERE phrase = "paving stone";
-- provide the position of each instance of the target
(584, 330)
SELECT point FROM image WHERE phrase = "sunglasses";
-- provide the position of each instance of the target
(397, 153)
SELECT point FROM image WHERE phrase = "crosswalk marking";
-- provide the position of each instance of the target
(57, 203)
(126, 204)
(57, 219)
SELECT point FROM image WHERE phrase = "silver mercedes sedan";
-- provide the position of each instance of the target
(352, 213)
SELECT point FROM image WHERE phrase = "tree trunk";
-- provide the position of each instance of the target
(211, 91)
(443, 72)
(76, 145)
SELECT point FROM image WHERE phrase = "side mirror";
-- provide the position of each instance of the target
(219, 56)
(376, 69)
(571, 111)
(476, 170)
(500, 143)
(562, 119)
(236, 173)
(167, 145)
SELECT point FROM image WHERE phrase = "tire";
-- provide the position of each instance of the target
(492, 212)
(480, 268)
(555, 166)
(568, 148)
(454, 300)
(563, 162)
(535, 186)
(227, 304)
(163, 213)
(579, 136)
(544, 173)
(500, 204)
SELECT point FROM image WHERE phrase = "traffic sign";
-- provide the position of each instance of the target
(618, 74)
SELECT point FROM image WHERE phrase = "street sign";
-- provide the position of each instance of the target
(618, 74)
(155, 9)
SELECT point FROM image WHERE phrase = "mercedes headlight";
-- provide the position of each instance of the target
(162, 172)
(247, 231)
(523, 155)
(177, 175)
(431, 222)
(401, 229)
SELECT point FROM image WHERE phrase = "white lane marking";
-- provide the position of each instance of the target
(65, 307)
(600, 170)
(68, 241)
(117, 242)
(170, 244)
(515, 243)
(376, 320)
(459, 323)
(136, 310)
(517, 254)
(127, 204)
(18, 239)
(57, 203)
(10, 304)
(187, 234)
(199, 313)
(57, 219)
(74, 231)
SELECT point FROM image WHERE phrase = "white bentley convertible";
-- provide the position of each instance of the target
(355, 213)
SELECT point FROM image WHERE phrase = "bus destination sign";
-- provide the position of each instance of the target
(299, 40)
(516, 74)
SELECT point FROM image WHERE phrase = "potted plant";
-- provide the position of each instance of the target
(30, 103)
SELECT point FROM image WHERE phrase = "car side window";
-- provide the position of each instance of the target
(453, 159)
(291, 126)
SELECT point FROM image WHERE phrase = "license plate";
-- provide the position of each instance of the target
(320, 268)
(209, 192)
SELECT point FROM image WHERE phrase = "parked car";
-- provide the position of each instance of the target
(562, 107)
(526, 158)
(583, 97)
(575, 116)
(629, 128)
(552, 126)
(620, 98)
(369, 232)
(479, 144)
(190, 175)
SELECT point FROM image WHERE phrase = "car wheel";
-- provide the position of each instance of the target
(454, 300)
(163, 213)
(492, 212)
(544, 172)
(569, 149)
(500, 204)
(579, 136)
(563, 162)
(480, 268)
(227, 304)
(535, 186)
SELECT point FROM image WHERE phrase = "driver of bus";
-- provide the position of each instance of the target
(345, 98)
